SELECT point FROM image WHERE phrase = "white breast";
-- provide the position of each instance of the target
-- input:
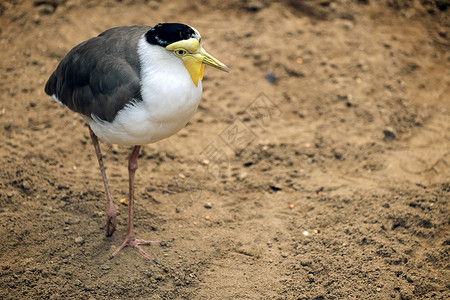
(170, 99)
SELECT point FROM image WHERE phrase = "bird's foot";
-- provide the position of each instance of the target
(134, 243)
(110, 222)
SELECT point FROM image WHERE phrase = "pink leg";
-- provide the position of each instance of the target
(129, 235)
(110, 210)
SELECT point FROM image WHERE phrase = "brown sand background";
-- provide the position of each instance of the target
(339, 108)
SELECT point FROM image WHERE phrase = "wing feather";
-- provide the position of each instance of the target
(101, 75)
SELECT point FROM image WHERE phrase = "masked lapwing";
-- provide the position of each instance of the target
(134, 86)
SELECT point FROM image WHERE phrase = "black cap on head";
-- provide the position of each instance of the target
(165, 34)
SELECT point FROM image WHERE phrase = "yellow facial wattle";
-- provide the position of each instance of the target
(194, 65)
(195, 58)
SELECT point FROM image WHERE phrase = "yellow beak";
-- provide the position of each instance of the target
(196, 58)
(208, 59)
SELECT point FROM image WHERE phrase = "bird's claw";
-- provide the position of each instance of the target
(134, 243)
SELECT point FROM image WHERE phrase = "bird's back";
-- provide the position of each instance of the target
(101, 75)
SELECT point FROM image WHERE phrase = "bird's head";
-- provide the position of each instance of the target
(184, 42)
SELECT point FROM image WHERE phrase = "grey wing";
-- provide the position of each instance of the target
(100, 76)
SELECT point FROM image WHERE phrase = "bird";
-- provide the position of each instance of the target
(133, 85)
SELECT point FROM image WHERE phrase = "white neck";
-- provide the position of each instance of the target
(170, 99)
(166, 85)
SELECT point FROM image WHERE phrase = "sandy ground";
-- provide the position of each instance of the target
(322, 160)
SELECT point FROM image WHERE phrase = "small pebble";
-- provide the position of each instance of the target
(26, 185)
(99, 213)
(207, 218)
(79, 240)
(115, 148)
(242, 176)
(389, 133)
(105, 267)
(46, 9)
(306, 262)
(270, 77)
(208, 205)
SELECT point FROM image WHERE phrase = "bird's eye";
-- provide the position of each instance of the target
(180, 52)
